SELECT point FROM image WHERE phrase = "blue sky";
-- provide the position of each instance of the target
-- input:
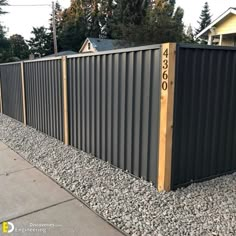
(20, 20)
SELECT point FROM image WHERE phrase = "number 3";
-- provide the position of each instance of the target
(165, 62)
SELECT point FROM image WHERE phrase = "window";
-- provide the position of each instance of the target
(89, 46)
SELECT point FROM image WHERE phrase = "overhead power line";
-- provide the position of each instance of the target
(29, 5)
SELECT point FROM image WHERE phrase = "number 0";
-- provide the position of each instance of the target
(164, 85)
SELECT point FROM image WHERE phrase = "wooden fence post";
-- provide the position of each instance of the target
(166, 116)
(23, 93)
(65, 100)
(1, 108)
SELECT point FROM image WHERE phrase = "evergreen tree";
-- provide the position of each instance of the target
(163, 23)
(127, 19)
(106, 15)
(204, 19)
(92, 17)
(189, 37)
(74, 28)
(136, 21)
(40, 43)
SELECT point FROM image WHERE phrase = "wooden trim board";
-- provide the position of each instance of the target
(65, 100)
(23, 93)
(1, 108)
(166, 116)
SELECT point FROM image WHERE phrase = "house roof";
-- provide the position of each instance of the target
(102, 44)
(63, 53)
(231, 10)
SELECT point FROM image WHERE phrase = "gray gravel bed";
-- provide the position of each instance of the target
(133, 205)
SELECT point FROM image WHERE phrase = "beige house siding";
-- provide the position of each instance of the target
(227, 26)
(86, 47)
(225, 30)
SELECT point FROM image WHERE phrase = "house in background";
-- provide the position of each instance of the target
(63, 53)
(221, 31)
(99, 45)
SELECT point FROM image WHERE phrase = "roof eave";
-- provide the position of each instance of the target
(229, 11)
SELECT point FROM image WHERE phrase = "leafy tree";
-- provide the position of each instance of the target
(3, 3)
(136, 21)
(204, 19)
(40, 43)
(4, 45)
(18, 47)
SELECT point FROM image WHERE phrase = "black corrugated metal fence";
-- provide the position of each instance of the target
(204, 134)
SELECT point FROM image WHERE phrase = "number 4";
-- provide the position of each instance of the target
(166, 52)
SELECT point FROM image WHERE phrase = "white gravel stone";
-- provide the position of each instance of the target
(131, 204)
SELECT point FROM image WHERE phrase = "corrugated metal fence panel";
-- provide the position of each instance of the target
(114, 108)
(10, 76)
(44, 100)
(204, 137)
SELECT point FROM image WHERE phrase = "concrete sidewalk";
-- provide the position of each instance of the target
(38, 206)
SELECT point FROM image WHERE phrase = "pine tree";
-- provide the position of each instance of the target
(189, 37)
(127, 19)
(178, 24)
(92, 15)
(105, 18)
(74, 28)
(163, 23)
(204, 19)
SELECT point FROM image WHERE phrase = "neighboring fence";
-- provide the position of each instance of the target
(113, 104)
(12, 104)
(44, 98)
(163, 113)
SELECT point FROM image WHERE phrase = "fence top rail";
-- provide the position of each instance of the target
(123, 50)
(11, 63)
(115, 51)
(34, 60)
(44, 59)
(209, 47)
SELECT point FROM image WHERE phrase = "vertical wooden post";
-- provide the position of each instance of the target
(23, 93)
(166, 116)
(65, 100)
(1, 109)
